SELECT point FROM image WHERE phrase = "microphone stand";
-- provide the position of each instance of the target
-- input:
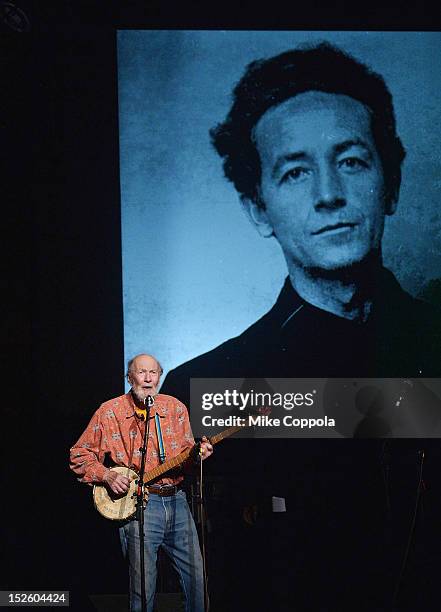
(201, 516)
(148, 402)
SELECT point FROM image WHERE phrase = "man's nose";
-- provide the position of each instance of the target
(328, 189)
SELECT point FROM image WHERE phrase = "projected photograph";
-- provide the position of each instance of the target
(215, 189)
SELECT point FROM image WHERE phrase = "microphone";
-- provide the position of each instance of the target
(149, 401)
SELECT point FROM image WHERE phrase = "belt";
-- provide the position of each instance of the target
(164, 490)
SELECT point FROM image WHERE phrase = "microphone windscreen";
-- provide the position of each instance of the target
(149, 401)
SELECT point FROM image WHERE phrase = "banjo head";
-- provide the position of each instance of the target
(116, 507)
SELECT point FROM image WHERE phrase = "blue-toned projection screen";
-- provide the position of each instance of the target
(194, 270)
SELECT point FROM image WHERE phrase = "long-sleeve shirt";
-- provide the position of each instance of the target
(115, 429)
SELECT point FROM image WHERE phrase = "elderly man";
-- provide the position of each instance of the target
(117, 429)
(310, 144)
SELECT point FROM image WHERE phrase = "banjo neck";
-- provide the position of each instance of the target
(182, 457)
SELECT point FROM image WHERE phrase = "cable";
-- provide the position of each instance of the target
(411, 532)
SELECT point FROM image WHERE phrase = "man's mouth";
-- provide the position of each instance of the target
(334, 228)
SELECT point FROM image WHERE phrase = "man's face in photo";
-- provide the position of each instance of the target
(322, 184)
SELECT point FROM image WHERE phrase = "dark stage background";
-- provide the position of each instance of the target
(62, 338)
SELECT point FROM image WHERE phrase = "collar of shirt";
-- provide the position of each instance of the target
(289, 304)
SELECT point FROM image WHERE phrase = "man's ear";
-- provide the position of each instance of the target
(392, 195)
(257, 214)
(391, 206)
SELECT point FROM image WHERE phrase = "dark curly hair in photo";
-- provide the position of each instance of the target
(269, 82)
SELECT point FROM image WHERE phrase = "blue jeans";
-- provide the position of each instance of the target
(167, 524)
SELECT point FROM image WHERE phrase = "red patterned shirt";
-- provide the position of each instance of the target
(117, 430)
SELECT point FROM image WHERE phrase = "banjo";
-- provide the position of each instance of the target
(122, 507)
